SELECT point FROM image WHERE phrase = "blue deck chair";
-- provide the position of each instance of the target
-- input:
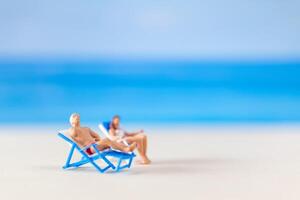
(99, 155)
(104, 128)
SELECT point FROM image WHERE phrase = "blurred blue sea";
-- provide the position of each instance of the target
(157, 91)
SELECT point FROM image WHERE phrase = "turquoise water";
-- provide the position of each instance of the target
(186, 91)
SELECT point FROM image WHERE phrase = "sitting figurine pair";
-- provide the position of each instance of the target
(84, 136)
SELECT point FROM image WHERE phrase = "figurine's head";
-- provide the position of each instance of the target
(75, 120)
(115, 121)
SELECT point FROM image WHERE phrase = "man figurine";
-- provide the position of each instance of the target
(84, 136)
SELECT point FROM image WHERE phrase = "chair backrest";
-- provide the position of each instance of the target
(106, 125)
(63, 135)
(104, 130)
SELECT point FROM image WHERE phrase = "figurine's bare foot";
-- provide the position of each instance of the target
(144, 161)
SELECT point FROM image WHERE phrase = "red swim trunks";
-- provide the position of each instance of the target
(89, 151)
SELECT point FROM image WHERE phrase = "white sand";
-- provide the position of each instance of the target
(225, 162)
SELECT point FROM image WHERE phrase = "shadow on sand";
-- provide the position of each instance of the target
(187, 166)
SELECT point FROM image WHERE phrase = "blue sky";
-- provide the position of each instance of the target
(134, 28)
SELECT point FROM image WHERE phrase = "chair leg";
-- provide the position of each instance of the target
(86, 159)
(99, 168)
(108, 162)
(130, 162)
(119, 165)
(96, 166)
(69, 157)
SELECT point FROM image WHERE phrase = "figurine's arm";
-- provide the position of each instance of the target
(94, 135)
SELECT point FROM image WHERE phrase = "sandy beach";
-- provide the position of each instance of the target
(199, 162)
